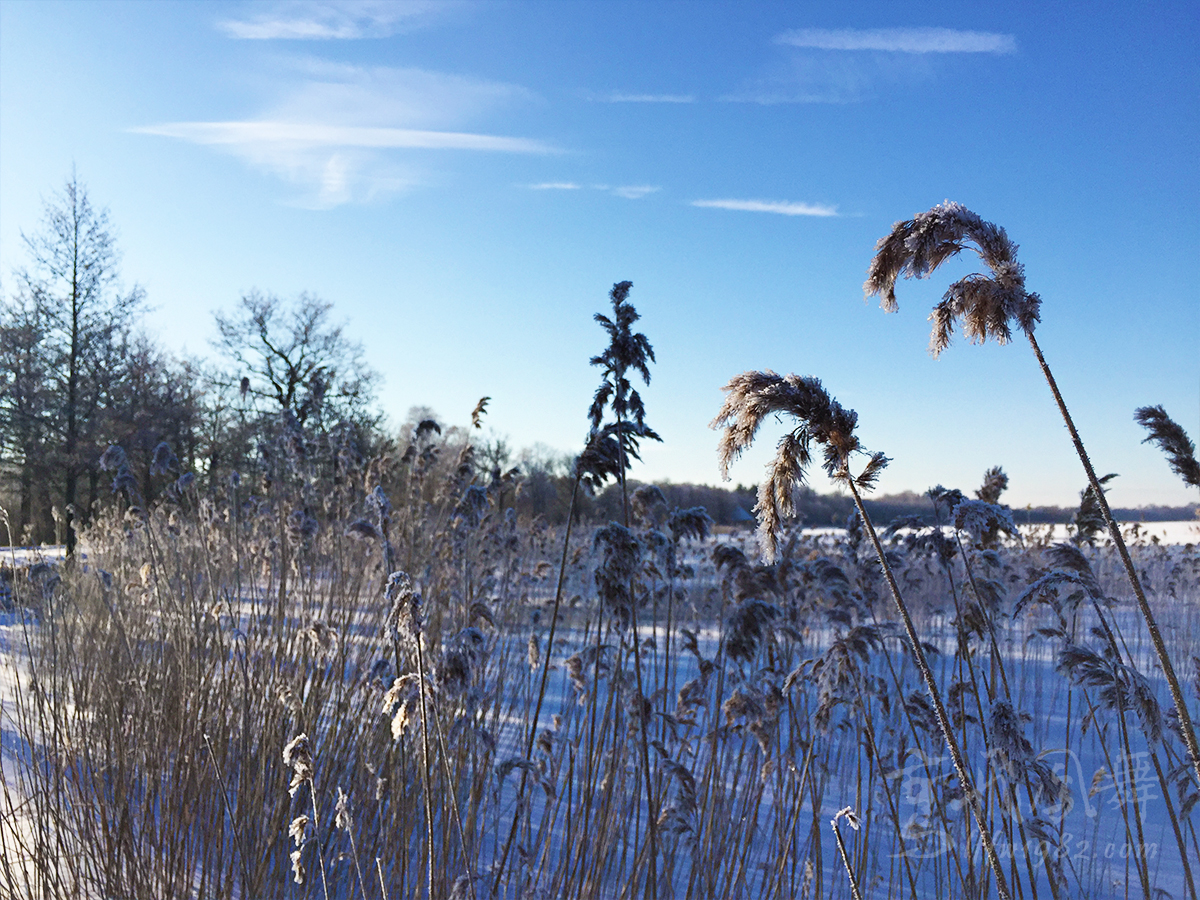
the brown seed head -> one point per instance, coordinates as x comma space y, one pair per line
986, 305
753, 396
297, 754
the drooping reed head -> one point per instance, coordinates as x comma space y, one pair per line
478, 412
987, 305
649, 505
297, 755
1172, 440
750, 398
614, 576
163, 461
406, 619
694, 522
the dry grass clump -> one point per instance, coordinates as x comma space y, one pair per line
753, 395
166, 756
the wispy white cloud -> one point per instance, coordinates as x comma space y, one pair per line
807, 77
302, 134
813, 68
900, 40
333, 19
780, 207
635, 191
774, 95
628, 191
647, 98
345, 94
346, 133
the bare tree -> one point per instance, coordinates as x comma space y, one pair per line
73, 287
290, 358
158, 400
25, 409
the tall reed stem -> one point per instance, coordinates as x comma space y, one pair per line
956, 756
1186, 728
542, 683
651, 812
426, 773
841, 845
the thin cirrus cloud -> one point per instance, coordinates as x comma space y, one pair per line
635, 191
900, 40
333, 19
850, 65
648, 98
349, 133
779, 207
627, 191
406, 97
302, 134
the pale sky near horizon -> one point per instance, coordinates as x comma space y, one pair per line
465, 181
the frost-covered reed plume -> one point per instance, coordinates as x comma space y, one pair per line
750, 398
628, 350
990, 306
1171, 440
609, 451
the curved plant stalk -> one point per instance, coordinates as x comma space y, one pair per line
751, 397
607, 453
956, 757
989, 306
651, 810
852, 819
233, 822
382, 884
1186, 728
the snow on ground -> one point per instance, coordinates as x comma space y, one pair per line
1094, 842
16, 819
1184, 532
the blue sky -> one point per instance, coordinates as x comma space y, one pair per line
465, 182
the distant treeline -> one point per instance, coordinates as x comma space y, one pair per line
93, 412
732, 506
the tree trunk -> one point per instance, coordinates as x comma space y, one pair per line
25, 514
73, 395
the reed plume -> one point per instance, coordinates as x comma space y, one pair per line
607, 453
297, 755
995, 483
628, 350
750, 398
1171, 440
986, 306
989, 306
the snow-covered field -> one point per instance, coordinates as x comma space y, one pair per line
1182, 532
748, 776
